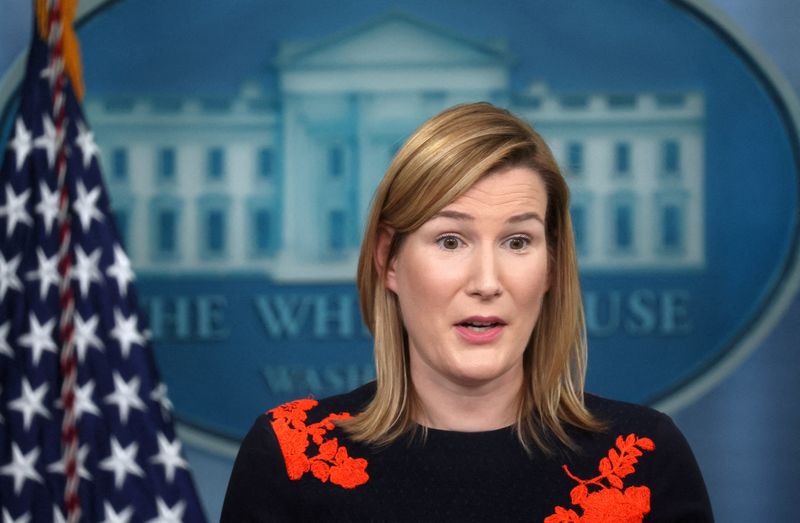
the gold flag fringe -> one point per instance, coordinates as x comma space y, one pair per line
69, 40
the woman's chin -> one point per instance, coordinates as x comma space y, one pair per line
482, 373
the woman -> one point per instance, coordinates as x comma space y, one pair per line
468, 282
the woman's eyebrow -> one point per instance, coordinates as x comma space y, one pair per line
525, 217
462, 216
454, 215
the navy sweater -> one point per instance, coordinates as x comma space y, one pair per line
295, 465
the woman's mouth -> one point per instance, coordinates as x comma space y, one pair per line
480, 329
478, 326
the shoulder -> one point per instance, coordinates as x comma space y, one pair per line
351, 402
622, 421
286, 443
621, 413
255, 479
663, 439
308, 437
623, 418
642, 449
312, 410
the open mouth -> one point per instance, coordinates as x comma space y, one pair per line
480, 326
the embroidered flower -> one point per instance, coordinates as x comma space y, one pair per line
348, 472
610, 503
331, 463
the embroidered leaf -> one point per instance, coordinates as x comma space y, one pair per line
605, 467
614, 457
578, 494
296, 465
630, 459
341, 455
630, 440
562, 515
615, 481
625, 470
646, 443
328, 449
321, 470
554, 518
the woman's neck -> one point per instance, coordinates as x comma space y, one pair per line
467, 407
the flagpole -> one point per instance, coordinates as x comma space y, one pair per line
68, 364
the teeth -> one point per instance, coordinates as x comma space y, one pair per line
479, 326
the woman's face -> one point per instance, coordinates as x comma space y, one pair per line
470, 281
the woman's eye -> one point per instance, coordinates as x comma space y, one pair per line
449, 243
517, 243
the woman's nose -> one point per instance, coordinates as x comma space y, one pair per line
484, 279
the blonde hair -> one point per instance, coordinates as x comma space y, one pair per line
436, 165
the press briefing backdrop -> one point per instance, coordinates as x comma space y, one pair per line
241, 144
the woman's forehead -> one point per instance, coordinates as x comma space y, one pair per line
512, 191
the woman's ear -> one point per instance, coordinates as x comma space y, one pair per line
383, 264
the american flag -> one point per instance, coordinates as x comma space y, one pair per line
129, 464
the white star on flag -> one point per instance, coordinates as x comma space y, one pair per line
85, 335
85, 270
58, 515
125, 396
167, 514
47, 273
21, 143
120, 270
24, 518
14, 209
80, 458
47, 206
83, 400
47, 141
169, 455
8, 274
125, 332
39, 339
30, 402
5, 348
85, 141
22, 467
122, 462
113, 516
86, 206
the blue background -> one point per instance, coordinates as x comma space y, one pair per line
617, 46
744, 431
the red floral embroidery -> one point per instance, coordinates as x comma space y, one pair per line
331, 463
609, 504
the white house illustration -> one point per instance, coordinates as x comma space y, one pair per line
279, 183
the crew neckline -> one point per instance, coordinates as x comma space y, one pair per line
467, 433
